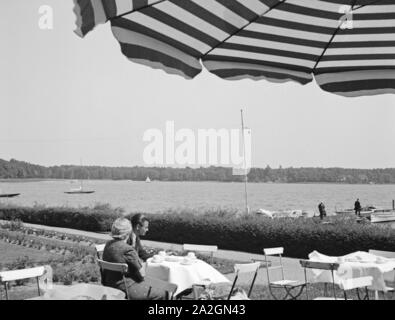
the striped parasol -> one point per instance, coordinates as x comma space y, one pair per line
348, 46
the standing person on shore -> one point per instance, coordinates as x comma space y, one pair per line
357, 208
321, 208
118, 251
140, 226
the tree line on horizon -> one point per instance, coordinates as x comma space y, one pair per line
15, 169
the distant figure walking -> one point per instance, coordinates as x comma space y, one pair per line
321, 208
357, 208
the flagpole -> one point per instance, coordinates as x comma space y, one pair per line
245, 163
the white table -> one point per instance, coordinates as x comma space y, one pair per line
184, 276
354, 265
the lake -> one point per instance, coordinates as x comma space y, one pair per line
158, 196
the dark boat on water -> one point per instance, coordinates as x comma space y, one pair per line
9, 195
79, 192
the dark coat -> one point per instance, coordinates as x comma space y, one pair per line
357, 205
143, 254
321, 208
118, 251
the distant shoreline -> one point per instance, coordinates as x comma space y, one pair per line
22, 180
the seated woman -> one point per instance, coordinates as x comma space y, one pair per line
118, 251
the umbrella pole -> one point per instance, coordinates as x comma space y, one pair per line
245, 164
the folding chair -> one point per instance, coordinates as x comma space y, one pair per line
7, 276
332, 267
288, 285
245, 268
99, 250
356, 283
169, 288
116, 267
201, 248
389, 276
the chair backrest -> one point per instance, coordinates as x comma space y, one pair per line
99, 250
245, 268
116, 267
356, 283
111, 266
278, 251
319, 265
200, 248
169, 288
13, 275
273, 251
329, 266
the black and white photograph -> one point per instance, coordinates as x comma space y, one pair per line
197, 150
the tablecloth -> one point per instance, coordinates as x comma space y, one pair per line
184, 276
354, 265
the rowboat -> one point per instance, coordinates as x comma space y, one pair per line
364, 211
9, 195
382, 216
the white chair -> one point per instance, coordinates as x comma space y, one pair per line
245, 268
13, 275
116, 267
288, 285
388, 276
122, 268
356, 283
99, 250
201, 248
332, 267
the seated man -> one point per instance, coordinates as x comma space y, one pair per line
140, 228
118, 251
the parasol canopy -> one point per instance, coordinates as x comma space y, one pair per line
347, 46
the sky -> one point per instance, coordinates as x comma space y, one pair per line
64, 100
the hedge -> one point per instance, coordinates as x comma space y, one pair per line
228, 231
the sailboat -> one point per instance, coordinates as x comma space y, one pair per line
79, 190
148, 180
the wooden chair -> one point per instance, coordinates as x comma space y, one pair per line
7, 276
389, 276
288, 285
169, 288
332, 267
201, 248
116, 267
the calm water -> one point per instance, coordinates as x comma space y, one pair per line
159, 196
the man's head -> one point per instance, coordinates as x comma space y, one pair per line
140, 224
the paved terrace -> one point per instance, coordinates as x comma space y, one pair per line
292, 268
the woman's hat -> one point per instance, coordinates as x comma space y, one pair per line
120, 228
